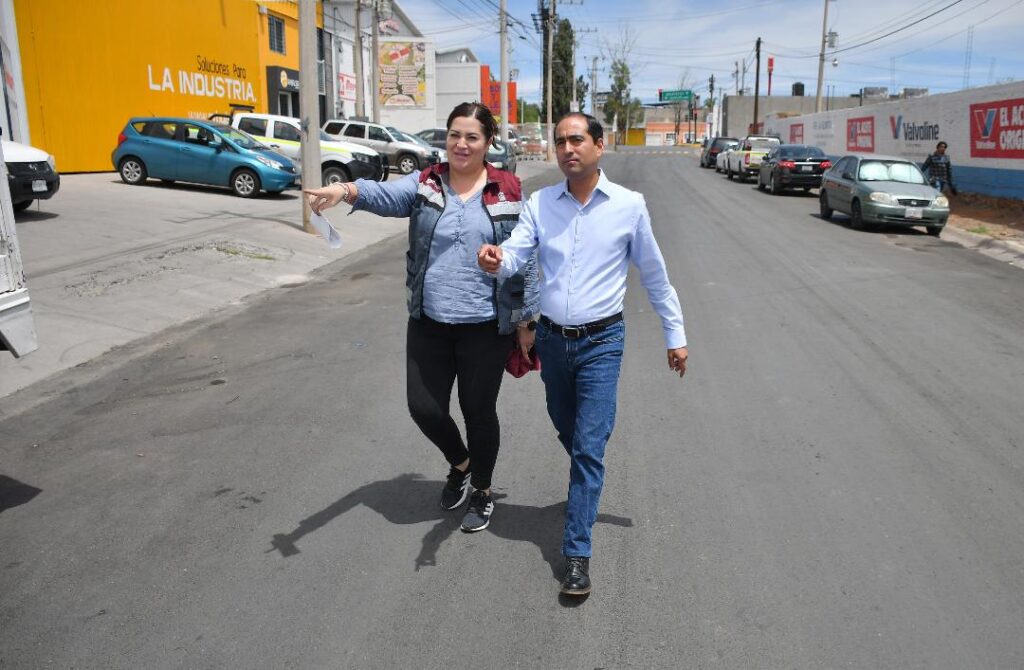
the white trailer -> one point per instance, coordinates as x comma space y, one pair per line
17, 329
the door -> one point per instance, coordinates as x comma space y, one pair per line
841, 188
284, 104
379, 140
285, 138
199, 159
161, 149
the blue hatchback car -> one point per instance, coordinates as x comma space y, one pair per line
201, 152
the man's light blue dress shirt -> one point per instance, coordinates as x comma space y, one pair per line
584, 251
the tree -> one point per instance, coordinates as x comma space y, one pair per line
621, 104
582, 90
531, 113
561, 70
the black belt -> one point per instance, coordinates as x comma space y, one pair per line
575, 332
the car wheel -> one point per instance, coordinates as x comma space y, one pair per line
21, 206
856, 216
245, 183
407, 164
760, 184
807, 189
132, 170
728, 172
775, 187
934, 231
825, 210
334, 175
741, 176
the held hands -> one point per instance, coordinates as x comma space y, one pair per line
525, 339
489, 258
677, 360
324, 198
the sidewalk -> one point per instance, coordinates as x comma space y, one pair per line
111, 265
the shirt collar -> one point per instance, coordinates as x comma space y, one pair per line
602, 186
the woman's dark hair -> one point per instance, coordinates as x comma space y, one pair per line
478, 111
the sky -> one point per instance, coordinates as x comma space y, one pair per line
689, 40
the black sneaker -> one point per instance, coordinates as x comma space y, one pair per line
479, 513
576, 581
455, 489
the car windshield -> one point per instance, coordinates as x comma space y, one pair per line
903, 172
325, 137
398, 135
416, 139
763, 144
240, 137
801, 152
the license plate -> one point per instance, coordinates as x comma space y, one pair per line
806, 168
914, 213
38, 185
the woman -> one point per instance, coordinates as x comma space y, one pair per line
461, 320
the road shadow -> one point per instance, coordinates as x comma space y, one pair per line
843, 221
14, 493
410, 499
33, 214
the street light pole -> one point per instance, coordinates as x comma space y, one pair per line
375, 59
309, 92
821, 58
503, 23
551, 55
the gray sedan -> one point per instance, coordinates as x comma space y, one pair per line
882, 190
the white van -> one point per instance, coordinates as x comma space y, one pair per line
339, 161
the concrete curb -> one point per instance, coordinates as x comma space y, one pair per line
1004, 250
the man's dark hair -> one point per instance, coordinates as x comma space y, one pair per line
942, 144
478, 111
594, 127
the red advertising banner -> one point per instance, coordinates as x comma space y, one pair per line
860, 134
796, 133
997, 129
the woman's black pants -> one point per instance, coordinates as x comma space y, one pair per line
473, 353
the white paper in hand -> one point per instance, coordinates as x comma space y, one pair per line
326, 230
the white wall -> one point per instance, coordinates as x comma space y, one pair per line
984, 128
9, 37
456, 83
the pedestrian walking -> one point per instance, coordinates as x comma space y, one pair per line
462, 322
585, 232
939, 169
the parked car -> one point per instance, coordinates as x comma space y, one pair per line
882, 190
339, 161
201, 152
502, 155
435, 137
709, 155
745, 160
722, 159
403, 154
792, 165
31, 174
436, 155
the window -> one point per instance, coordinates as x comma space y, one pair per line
253, 126
163, 130
275, 28
285, 131
196, 135
355, 130
379, 134
333, 128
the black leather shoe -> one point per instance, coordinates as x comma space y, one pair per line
576, 581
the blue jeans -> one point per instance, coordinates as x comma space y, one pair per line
581, 378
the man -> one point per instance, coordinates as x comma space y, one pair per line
586, 230
939, 169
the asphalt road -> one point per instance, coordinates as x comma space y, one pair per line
837, 483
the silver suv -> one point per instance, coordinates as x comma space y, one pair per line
402, 153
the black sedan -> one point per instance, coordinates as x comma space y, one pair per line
792, 166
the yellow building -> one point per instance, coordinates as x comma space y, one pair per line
87, 67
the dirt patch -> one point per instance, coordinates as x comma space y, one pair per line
1001, 218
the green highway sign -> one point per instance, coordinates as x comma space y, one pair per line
685, 95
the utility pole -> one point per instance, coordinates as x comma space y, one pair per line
358, 66
711, 97
593, 85
375, 59
309, 108
821, 59
757, 82
736, 77
503, 26
551, 56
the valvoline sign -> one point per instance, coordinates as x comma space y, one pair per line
997, 129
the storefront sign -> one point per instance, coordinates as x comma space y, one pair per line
403, 76
997, 129
796, 133
346, 86
860, 134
